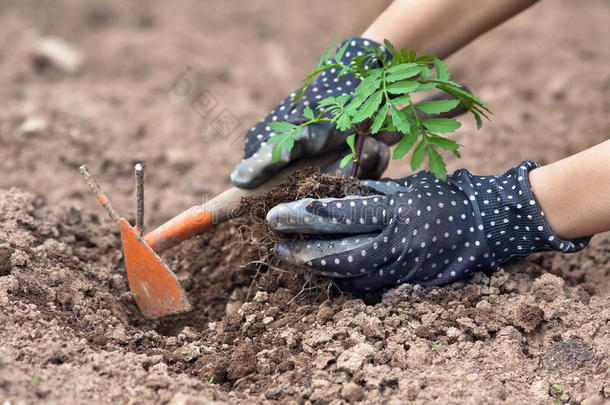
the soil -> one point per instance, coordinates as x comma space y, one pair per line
305, 183
536, 332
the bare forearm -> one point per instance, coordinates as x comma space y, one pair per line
440, 27
574, 193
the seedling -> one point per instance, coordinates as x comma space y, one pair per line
385, 85
558, 387
35, 379
210, 380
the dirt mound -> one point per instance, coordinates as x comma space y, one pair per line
273, 339
152, 90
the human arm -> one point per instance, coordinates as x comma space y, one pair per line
440, 27
574, 192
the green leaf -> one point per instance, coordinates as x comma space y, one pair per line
343, 122
275, 138
345, 70
308, 113
346, 160
426, 86
289, 144
403, 71
380, 118
284, 141
448, 83
558, 387
444, 143
351, 141
389, 126
437, 107
276, 153
400, 100
425, 73
418, 155
425, 58
341, 100
353, 106
326, 55
437, 165
341, 51
404, 56
477, 118
367, 86
404, 146
459, 93
369, 107
389, 46
400, 120
473, 105
333, 111
402, 87
327, 101
442, 125
441, 70
280, 126
296, 134
357, 60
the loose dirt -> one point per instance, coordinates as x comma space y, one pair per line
536, 332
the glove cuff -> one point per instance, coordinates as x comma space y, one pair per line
513, 221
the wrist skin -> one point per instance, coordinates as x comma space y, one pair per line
574, 193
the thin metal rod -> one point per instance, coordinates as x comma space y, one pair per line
97, 190
139, 171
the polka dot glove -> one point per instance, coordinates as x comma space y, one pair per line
257, 165
420, 230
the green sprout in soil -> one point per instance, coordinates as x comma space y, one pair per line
134, 294
35, 380
558, 387
385, 86
403, 318
210, 380
438, 346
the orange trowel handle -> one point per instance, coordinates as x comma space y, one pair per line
199, 218
194, 220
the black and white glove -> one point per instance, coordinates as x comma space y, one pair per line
257, 165
420, 231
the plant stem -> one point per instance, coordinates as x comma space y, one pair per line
422, 130
362, 132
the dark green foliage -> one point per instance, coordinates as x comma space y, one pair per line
385, 85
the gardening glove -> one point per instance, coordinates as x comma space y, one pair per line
420, 230
257, 165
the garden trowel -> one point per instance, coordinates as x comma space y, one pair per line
153, 285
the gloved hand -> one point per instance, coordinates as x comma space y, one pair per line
421, 231
257, 165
